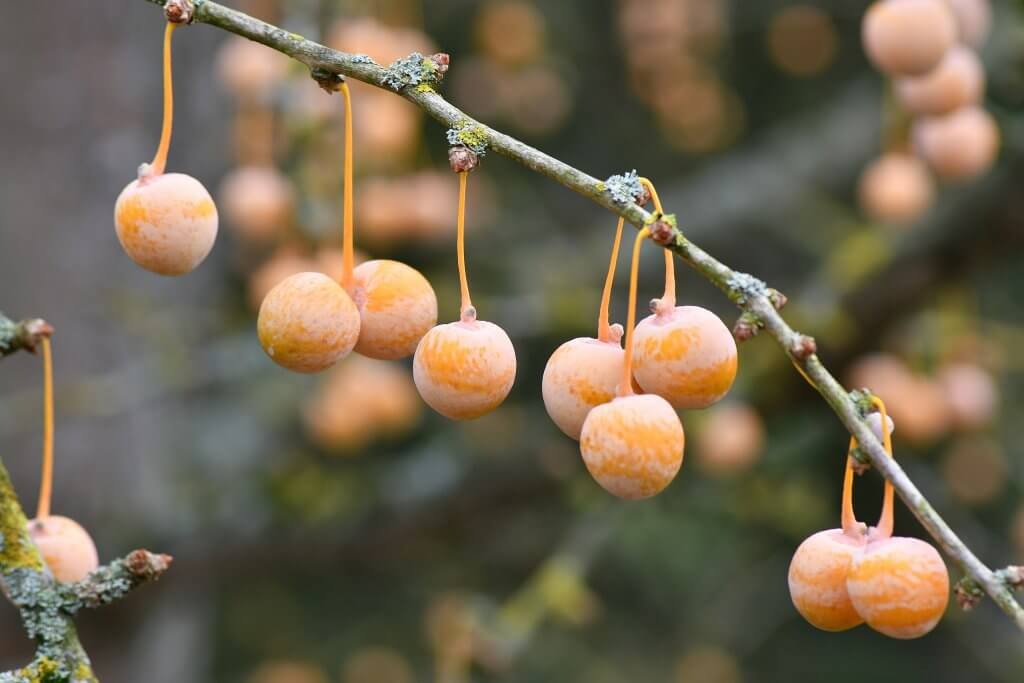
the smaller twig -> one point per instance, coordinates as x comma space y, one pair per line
969, 594
113, 581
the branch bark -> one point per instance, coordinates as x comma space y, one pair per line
414, 79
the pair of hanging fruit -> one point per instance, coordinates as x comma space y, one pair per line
381, 309
841, 578
683, 357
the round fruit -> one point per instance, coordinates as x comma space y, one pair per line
874, 421
972, 394
959, 146
973, 18
66, 547
397, 306
896, 189
633, 445
167, 223
258, 202
581, 374
958, 81
464, 369
908, 37
731, 439
686, 355
307, 323
900, 586
818, 578
250, 70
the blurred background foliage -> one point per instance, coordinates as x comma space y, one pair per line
329, 528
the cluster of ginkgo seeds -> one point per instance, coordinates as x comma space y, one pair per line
841, 578
927, 48
682, 357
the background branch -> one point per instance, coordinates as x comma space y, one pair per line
750, 294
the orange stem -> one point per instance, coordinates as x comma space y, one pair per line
467, 303
848, 517
626, 386
885, 521
347, 235
160, 160
46, 485
603, 328
668, 301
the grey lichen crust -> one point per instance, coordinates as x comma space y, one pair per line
411, 71
362, 59
745, 287
625, 188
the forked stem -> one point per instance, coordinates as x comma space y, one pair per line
160, 159
347, 248
848, 517
604, 330
885, 521
850, 524
668, 301
467, 313
46, 484
626, 386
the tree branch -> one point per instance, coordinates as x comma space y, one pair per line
46, 606
25, 335
414, 79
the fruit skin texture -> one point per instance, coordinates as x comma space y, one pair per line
959, 146
900, 586
686, 355
66, 547
818, 577
581, 374
958, 80
633, 446
397, 306
308, 323
464, 369
908, 37
896, 188
166, 223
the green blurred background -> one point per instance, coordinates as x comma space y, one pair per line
331, 528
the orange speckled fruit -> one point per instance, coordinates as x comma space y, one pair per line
166, 223
686, 355
581, 374
633, 446
397, 307
308, 323
900, 586
817, 579
464, 369
66, 547
908, 37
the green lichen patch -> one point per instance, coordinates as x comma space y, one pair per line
424, 87
472, 135
16, 549
410, 71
